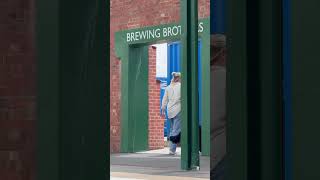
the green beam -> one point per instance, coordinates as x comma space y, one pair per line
73, 90
206, 93
254, 90
236, 82
47, 122
83, 93
304, 57
189, 85
270, 60
121, 37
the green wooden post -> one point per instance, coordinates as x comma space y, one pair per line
47, 122
270, 64
254, 90
73, 90
189, 86
236, 99
83, 76
206, 93
304, 57
125, 129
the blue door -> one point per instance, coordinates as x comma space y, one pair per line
163, 85
217, 17
174, 65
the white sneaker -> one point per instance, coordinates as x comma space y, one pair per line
172, 153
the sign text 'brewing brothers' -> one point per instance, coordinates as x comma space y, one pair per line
157, 33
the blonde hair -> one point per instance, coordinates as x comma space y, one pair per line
173, 79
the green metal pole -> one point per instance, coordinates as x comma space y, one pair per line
189, 90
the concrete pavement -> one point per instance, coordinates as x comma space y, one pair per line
155, 165
136, 176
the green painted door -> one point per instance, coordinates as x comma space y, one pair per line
138, 96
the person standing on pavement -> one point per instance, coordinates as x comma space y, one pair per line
172, 101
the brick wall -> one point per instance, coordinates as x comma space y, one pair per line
129, 14
17, 90
156, 122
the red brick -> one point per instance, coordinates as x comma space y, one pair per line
17, 90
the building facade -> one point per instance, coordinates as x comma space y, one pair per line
133, 14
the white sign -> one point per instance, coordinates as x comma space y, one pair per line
157, 33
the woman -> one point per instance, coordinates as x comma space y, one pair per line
172, 100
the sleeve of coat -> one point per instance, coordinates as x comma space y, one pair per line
165, 99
